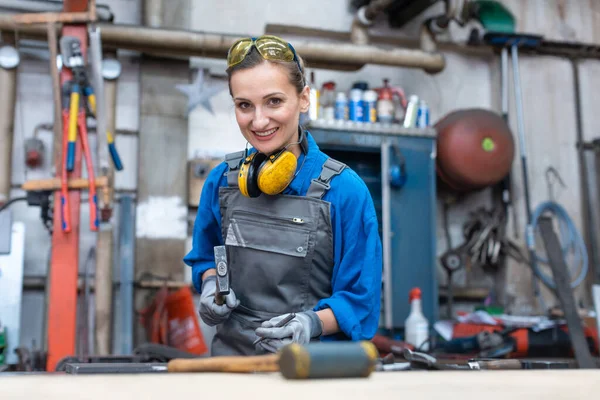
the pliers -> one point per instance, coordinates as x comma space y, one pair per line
80, 86
74, 120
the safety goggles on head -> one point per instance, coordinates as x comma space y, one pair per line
270, 48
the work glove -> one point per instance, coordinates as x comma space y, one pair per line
211, 313
301, 329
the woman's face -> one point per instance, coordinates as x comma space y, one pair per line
267, 107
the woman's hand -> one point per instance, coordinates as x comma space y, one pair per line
301, 329
211, 313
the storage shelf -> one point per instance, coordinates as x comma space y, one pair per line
376, 128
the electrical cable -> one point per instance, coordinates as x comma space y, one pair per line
11, 201
571, 240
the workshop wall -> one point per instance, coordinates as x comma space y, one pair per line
467, 81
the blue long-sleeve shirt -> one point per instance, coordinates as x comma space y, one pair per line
356, 278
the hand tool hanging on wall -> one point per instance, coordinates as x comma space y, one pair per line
74, 121
73, 59
98, 108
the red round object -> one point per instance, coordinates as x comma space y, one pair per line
33, 159
415, 293
475, 149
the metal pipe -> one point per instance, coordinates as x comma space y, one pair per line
363, 19
386, 219
9, 61
126, 264
104, 240
588, 214
375, 7
56, 94
153, 12
170, 42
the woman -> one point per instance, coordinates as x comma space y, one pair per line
300, 228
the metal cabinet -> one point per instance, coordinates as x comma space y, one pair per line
407, 214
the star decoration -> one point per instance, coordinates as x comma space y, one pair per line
200, 91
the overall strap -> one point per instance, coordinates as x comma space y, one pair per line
319, 186
233, 161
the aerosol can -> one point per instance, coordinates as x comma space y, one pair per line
416, 325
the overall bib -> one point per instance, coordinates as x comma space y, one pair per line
280, 254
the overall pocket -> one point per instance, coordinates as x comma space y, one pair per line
270, 261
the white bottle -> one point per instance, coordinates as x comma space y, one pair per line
416, 325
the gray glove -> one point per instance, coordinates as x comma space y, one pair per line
211, 313
301, 329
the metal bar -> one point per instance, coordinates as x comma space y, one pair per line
386, 218
504, 81
565, 293
56, 92
584, 174
9, 61
126, 263
97, 81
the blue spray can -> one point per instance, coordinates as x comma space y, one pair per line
423, 115
355, 107
369, 106
341, 107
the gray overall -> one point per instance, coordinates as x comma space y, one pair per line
280, 253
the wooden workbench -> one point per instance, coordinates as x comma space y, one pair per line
413, 385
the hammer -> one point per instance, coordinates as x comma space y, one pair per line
311, 361
222, 274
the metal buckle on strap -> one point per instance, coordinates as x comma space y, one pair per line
233, 160
324, 183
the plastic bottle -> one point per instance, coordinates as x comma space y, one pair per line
355, 107
416, 325
385, 104
341, 107
410, 119
423, 115
369, 106
328, 101
313, 110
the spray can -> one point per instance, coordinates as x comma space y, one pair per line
341, 107
369, 104
416, 325
410, 118
355, 107
423, 115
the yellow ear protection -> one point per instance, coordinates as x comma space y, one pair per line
270, 175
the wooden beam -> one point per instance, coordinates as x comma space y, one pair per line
49, 17
64, 265
54, 183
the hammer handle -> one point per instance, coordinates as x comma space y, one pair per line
500, 364
266, 363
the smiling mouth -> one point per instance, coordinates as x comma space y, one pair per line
265, 133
